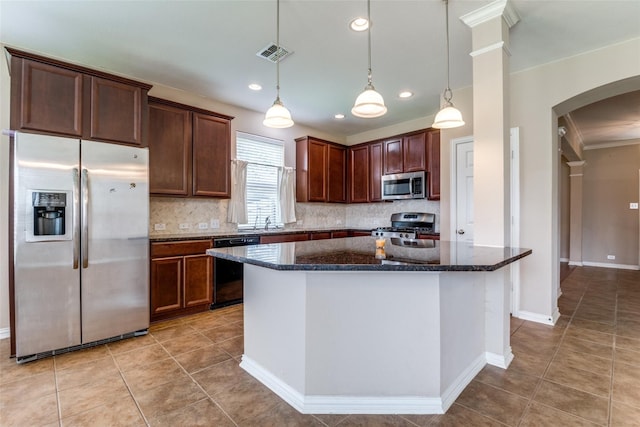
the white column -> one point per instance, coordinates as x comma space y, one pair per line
490, 42
491, 174
575, 212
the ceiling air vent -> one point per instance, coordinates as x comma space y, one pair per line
272, 53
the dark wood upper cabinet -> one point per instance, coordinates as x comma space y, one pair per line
433, 164
189, 151
337, 174
376, 166
393, 156
211, 156
169, 150
405, 153
45, 98
115, 111
359, 174
413, 152
55, 97
320, 171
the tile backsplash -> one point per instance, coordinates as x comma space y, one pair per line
191, 212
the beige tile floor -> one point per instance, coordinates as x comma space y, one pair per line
585, 371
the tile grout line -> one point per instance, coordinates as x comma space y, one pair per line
126, 384
197, 383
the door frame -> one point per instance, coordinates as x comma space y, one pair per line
453, 169
514, 186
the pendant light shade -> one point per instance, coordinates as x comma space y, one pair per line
449, 116
369, 104
277, 116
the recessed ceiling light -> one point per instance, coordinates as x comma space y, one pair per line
339, 116
359, 24
255, 86
405, 94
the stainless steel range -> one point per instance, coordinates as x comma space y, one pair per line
407, 225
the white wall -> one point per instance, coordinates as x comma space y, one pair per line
534, 94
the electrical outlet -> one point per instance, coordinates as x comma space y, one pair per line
633, 206
184, 226
215, 223
611, 257
159, 227
203, 226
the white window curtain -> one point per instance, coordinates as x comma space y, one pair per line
287, 194
237, 212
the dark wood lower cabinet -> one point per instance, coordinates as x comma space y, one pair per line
181, 278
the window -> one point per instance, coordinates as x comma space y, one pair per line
264, 155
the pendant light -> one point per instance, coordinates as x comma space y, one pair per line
369, 104
449, 116
278, 116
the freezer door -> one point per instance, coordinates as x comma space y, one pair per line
47, 287
115, 243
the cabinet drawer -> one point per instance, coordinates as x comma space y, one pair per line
189, 247
339, 234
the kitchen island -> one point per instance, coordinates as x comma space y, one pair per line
338, 326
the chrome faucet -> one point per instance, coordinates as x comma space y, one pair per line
267, 221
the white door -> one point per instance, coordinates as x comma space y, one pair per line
464, 191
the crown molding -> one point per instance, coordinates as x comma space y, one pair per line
493, 10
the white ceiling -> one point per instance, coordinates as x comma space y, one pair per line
209, 47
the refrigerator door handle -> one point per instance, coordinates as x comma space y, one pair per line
75, 218
85, 219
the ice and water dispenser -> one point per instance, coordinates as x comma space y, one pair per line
49, 213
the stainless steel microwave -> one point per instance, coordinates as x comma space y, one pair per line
410, 185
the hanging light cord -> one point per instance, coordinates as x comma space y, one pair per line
447, 95
278, 50
369, 41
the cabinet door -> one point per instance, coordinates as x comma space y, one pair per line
337, 174
116, 111
375, 171
433, 165
393, 156
198, 280
166, 284
413, 152
211, 156
46, 98
359, 174
318, 167
169, 150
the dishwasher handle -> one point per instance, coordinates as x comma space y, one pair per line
236, 241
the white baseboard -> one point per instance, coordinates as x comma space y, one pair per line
564, 259
459, 384
576, 263
538, 318
607, 265
363, 404
5, 333
499, 360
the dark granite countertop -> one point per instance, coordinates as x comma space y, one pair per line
359, 254
243, 233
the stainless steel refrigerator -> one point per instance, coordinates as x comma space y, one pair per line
80, 243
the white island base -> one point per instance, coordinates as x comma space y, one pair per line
382, 342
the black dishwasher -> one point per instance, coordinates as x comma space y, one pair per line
227, 275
